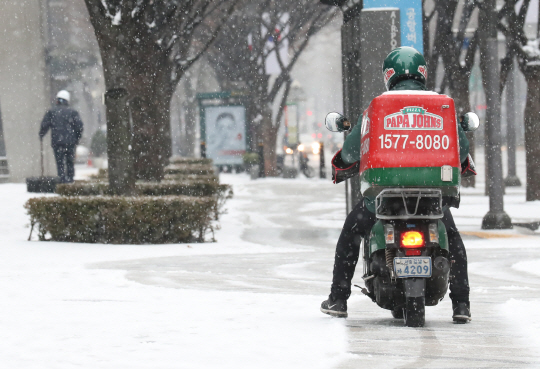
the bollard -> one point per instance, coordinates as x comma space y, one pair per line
322, 168
203, 149
261, 160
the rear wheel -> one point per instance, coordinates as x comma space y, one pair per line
415, 311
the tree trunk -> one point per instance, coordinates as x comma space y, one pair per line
460, 94
190, 117
150, 110
268, 134
121, 178
532, 133
119, 130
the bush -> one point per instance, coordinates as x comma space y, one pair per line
178, 209
190, 161
186, 169
82, 188
250, 158
179, 168
164, 188
98, 145
102, 175
122, 220
192, 177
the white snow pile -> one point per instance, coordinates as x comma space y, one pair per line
533, 52
523, 314
525, 320
529, 266
61, 311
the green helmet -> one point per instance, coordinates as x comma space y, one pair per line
404, 63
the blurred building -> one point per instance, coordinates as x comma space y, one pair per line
45, 46
24, 88
73, 61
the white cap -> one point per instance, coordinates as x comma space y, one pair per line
63, 95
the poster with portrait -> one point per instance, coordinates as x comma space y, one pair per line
225, 134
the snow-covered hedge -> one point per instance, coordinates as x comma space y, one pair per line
191, 177
122, 220
165, 188
181, 208
191, 161
186, 169
179, 168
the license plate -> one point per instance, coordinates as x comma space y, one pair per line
416, 266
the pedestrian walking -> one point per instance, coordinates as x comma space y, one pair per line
66, 130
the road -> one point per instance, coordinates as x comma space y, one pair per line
302, 218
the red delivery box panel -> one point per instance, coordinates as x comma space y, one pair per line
410, 139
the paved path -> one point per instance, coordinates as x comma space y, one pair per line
302, 219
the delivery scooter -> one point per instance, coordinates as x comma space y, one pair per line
410, 170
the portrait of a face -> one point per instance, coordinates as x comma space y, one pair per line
225, 132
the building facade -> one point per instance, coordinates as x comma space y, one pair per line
23, 86
45, 46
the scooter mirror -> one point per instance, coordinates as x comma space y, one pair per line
336, 122
470, 122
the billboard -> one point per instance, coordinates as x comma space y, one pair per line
225, 134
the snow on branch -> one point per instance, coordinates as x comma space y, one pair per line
116, 19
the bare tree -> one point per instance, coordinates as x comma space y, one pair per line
260, 30
448, 49
527, 53
448, 46
146, 46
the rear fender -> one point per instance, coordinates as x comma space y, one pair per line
376, 238
443, 237
414, 287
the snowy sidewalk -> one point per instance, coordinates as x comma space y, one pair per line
251, 300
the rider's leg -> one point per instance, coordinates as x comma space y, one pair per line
459, 279
357, 225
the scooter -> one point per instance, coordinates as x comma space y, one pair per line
409, 170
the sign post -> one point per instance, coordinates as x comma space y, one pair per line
4, 170
496, 218
410, 20
383, 25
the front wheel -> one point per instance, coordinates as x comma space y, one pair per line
415, 311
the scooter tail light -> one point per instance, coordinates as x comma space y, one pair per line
433, 233
412, 239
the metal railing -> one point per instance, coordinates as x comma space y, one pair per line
409, 203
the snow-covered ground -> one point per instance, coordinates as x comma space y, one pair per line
251, 300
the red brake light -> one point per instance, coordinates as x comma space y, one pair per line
412, 239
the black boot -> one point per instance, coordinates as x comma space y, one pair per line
461, 312
334, 307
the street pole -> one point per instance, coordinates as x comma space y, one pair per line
322, 168
511, 179
262, 173
496, 218
352, 84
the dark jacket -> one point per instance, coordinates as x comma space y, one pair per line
65, 124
